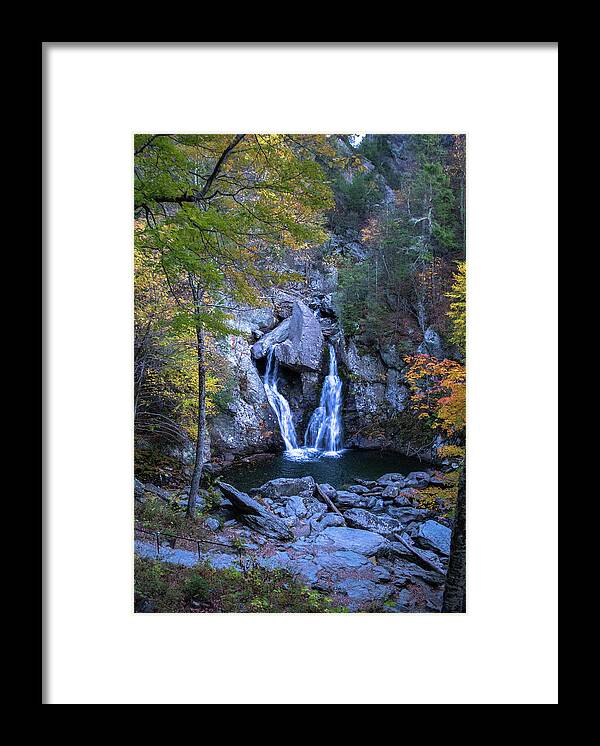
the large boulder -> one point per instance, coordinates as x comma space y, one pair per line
351, 539
284, 487
298, 340
432, 535
303, 348
255, 515
344, 499
276, 336
380, 524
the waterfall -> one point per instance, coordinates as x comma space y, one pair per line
279, 403
325, 426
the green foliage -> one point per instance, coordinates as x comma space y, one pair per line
202, 588
400, 287
213, 213
157, 515
458, 307
377, 150
355, 199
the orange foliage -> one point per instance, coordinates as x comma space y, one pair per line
438, 392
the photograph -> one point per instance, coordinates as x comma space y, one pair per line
300, 373
267, 475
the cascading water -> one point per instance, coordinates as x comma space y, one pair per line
279, 403
325, 426
323, 434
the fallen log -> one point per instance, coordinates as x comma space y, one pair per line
327, 500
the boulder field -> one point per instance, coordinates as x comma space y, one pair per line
378, 551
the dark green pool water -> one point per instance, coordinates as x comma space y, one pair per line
337, 471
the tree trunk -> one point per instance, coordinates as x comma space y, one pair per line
455, 591
200, 438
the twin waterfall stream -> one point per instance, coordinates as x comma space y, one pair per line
323, 434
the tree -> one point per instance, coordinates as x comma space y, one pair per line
216, 211
455, 590
458, 307
438, 396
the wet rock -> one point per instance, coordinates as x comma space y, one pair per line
403, 602
253, 320
297, 341
283, 303
380, 524
392, 357
295, 506
432, 535
396, 391
269, 525
352, 539
212, 524
367, 367
390, 492
407, 571
437, 481
366, 482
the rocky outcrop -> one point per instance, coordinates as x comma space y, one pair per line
297, 341
254, 515
245, 424
432, 344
